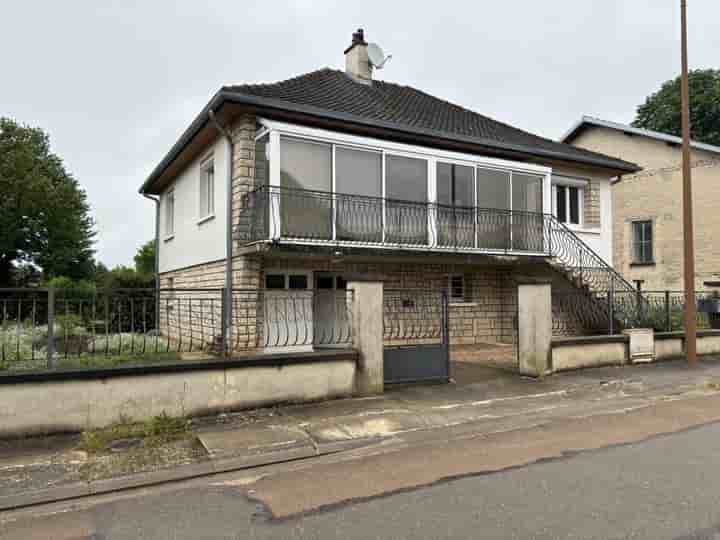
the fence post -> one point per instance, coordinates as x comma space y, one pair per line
446, 329
223, 322
51, 327
611, 310
668, 322
535, 327
367, 325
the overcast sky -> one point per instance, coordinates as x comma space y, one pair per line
115, 82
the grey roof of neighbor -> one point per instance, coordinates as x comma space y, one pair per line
332, 95
589, 121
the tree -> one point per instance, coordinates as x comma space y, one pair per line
44, 214
661, 110
145, 258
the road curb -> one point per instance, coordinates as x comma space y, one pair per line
79, 490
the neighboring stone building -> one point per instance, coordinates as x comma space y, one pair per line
335, 176
647, 206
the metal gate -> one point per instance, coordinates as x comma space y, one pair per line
415, 336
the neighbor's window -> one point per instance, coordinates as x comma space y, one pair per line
170, 213
567, 203
207, 188
642, 242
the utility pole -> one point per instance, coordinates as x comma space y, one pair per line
688, 237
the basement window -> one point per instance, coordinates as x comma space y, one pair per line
456, 288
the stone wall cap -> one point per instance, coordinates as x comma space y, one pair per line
589, 340
528, 280
210, 364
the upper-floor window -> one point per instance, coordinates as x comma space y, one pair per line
642, 244
170, 213
207, 188
568, 201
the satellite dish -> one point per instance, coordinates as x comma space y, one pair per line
377, 56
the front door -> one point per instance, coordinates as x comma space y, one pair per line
288, 311
332, 320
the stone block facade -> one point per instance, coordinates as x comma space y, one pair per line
591, 205
655, 195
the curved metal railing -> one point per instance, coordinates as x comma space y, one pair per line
271, 213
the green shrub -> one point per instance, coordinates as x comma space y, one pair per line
75, 290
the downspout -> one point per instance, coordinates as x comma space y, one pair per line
230, 151
156, 200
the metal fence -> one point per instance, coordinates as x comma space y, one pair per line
49, 329
413, 317
584, 312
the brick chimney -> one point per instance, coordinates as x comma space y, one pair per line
357, 64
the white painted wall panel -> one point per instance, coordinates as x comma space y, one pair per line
195, 243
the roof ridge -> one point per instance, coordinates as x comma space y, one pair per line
274, 83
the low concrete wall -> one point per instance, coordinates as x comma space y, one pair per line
670, 345
585, 352
595, 351
55, 402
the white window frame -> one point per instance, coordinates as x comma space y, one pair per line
169, 200
568, 182
431, 155
208, 188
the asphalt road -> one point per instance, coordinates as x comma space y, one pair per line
666, 487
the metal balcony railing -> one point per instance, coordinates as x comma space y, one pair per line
315, 216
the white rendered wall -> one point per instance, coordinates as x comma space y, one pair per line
599, 239
193, 242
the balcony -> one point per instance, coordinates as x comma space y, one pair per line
313, 217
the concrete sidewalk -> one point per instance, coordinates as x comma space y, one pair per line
43, 470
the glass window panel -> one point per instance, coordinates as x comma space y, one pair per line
324, 282
493, 189
341, 283
642, 242
262, 163
444, 183
170, 212
464, 186
297, 281
305, 166
527, 192
207, 188
527, 218
406, 178
275, 281
457, 288
456, 197
574, 196
358, 176
493, 201
358, 172
561, 203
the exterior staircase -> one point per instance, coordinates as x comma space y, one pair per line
602, 299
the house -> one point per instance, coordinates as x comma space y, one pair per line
335, 175
647, 205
